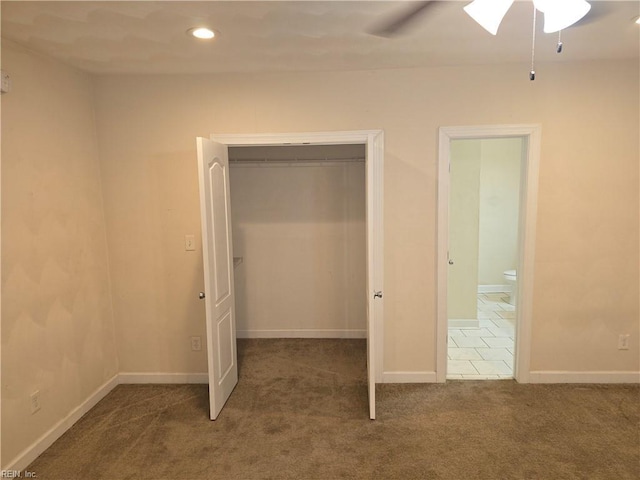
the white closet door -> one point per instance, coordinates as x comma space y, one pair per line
215, 209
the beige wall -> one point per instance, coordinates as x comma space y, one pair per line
464, 219
586, 258
300, 229
57, 321
54, 279
499, 198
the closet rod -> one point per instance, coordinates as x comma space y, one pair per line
296, 160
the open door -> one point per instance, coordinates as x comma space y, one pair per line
371, 376
215, 209
218, 256
375, 256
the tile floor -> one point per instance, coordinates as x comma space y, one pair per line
486, 352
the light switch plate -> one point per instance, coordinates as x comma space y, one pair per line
189, 242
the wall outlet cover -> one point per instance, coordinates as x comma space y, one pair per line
5, 82
623, 341
35, 401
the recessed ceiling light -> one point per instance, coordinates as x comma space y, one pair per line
638, 20
202, 33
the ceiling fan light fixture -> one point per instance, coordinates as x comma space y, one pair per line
488, 13
560, 14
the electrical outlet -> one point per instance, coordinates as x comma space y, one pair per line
35, 401
196, 344
623, 341
5, 82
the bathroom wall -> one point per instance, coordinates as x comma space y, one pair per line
57, 321
483, 223
300, 230
464, 217
499, 199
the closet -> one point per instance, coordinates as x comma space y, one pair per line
299, 240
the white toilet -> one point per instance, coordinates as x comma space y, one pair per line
510, 277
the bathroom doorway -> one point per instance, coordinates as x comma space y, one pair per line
486, 212
483, 253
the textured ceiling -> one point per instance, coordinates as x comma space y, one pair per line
150, 36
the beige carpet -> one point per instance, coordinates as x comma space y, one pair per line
300, 412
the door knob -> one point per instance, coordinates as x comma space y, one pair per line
201, 295
377, 294
450, 262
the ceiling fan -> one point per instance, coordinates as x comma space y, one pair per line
395, 25
558, 14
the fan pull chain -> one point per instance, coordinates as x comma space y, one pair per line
559, 47
532, 73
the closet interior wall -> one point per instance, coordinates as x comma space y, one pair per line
299, 240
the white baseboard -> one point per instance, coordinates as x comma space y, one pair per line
164, 378
494, 288
463, 323
304, 333
29, 454
583, 377
408, 377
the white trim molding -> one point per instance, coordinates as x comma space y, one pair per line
304, 333
162, 378
306, 138
464, 323
559, 376
494, 288
29, 454
409, 377
374, 142
526, 237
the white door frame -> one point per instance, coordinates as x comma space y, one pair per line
526, 237
374, 145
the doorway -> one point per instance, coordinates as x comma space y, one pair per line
483, 254
213, 162
472, 295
